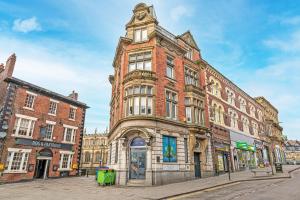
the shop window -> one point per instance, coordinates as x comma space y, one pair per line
169, 149
17, 160
66, 160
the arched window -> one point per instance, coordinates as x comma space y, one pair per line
138, 142
87, 157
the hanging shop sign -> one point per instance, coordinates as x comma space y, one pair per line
38, 143
245, 146
251, 148
242, 145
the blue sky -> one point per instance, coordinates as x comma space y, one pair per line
70, 44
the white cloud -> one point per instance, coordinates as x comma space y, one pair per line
294, 20
62, 67
179, 12
26, 25
288, 44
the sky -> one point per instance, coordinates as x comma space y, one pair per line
70, 45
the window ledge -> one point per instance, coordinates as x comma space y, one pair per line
171, 79
140, 42
64, 169
28, 108
14, 172
71, 119
52, 114
22, 136
66, 142
48, 140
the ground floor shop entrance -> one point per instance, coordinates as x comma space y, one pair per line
197, 164
42, 169
42, 163
137, 168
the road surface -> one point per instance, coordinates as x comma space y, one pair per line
284, 189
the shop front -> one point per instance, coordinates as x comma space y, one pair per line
222, 157
262, 154
243, 151
246, 155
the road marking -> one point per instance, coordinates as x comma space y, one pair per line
202, 191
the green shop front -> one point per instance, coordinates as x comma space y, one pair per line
243, 151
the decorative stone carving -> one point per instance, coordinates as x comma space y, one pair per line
140, 74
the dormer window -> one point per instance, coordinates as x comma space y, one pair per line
189, 54
140, 35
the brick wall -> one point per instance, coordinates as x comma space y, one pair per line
41, 108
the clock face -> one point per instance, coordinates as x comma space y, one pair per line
141, 15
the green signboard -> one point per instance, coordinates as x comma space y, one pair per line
242, 145
251, 148
245, 146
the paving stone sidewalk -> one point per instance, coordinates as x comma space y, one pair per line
87, 189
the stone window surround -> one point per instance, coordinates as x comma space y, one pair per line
140, 95
171, 102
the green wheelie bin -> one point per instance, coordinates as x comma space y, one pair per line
106, 177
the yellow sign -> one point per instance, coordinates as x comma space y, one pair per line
220, 162
1, 166
75, 166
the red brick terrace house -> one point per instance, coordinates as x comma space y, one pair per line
40, 130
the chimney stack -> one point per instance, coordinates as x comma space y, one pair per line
74, 95
1, 67
10, 65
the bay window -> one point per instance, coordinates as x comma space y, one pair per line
140, 61
191, 77
194, 110
138, 100
188, 112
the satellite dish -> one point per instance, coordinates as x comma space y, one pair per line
2, 134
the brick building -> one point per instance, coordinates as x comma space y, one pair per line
237, 124
41, 130
158, 125
273, 129
292, 152
94, 151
